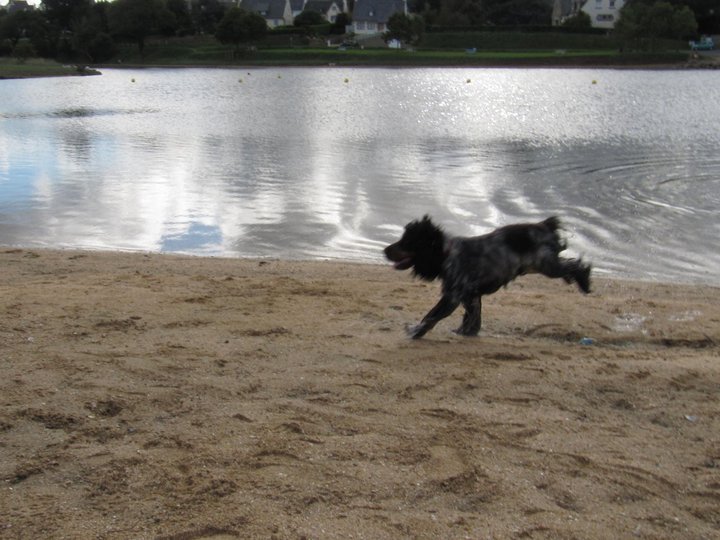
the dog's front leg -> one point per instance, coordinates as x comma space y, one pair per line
442, 309
472, 318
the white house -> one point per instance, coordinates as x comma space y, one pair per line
275, 12
603, 13
371, 16
329, 9
283, 12
18, 5
297, 7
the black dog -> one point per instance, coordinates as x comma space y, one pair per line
470, 267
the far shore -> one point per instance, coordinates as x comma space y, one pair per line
36, 68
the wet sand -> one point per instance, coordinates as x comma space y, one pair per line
153, 396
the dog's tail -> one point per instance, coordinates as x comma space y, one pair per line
553, 223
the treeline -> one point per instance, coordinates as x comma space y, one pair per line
480, 13
643, 24
516, 13
90, 31
85, 30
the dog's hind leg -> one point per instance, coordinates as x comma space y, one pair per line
472, 318
442, 309
581, 276
571, 270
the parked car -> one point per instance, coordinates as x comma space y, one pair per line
705, 43
349, 44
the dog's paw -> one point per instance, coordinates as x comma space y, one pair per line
583, 279
465, 333
415, 331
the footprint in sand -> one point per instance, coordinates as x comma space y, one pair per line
445, 462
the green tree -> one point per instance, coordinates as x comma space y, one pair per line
5, 45
342, 21
101, 47
707, 13
579, 21
658, 20
65, 13
404, 28
181, 11
641, 23
23, 50
29, 25
206, 14
137, 19
684, 23
91, 40
457, 13
308, 18
518, 12
483, 12
239, 26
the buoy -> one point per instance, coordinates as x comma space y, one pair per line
132, 80
594, 81
468, 81
347, 80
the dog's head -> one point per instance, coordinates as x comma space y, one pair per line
421, 247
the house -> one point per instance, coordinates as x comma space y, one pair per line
329, 9
283, 12
603, 13
297, 7
18, 5
275, 12
371, 16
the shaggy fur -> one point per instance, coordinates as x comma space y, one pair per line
471, 267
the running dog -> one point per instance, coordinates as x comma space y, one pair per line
470, 267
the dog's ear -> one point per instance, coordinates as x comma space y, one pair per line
412, 223
428, 223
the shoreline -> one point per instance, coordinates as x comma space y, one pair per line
170, 396
380, 262
36, 69
40, 68
528, 63
411, 66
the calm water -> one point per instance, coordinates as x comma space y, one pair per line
331, 162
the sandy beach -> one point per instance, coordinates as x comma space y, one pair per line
170, 397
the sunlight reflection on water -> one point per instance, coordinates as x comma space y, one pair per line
299, 163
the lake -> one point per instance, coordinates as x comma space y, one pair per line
330, 163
